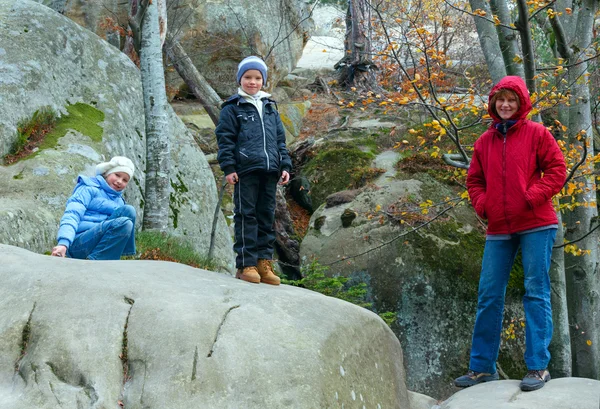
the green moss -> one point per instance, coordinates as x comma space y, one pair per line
461, 256
330, 171
176, 198
82, 118
179, 187
18, 175
315, 278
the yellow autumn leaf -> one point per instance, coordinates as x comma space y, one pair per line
589, 342
377, 208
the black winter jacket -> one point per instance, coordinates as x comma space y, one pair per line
246, 143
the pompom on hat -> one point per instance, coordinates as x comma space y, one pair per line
116, 164
252, 63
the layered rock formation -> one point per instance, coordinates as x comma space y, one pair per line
46, 60
428, 277
216, 34
149, 334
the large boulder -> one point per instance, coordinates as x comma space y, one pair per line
48, 60
428, 276
216, 34
149, 334
564, 393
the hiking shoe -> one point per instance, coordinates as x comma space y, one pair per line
249, 274
535, 380
473, 378
265, 270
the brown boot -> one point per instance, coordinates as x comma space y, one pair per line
249, 274
265, 269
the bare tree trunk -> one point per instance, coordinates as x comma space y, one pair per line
526, 45
488, 39
583, 286
148, 31
195, 81
357, 66
507, 38
560, 347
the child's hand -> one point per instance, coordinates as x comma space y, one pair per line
59, 251
285, 177
232, 178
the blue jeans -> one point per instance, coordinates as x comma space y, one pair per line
108, 240
498, 258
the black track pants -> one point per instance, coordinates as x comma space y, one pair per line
254, 198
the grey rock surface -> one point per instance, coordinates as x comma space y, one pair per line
48, 60
153, 334
386, 160
428, 277
420, 401
563, 393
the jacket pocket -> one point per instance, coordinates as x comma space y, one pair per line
243, 157
480, 208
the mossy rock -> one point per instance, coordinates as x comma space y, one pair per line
81, 117
331, 171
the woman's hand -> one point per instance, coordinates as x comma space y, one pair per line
232, 178
285, 177
59, 251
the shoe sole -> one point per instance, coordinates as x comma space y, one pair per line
466, 384
529, 388
262, 280
247, 279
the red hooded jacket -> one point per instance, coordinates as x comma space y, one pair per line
505, 179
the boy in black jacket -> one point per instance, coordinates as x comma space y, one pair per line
253, 156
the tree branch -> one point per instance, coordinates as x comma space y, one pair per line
479, 16
578, 164
414, 229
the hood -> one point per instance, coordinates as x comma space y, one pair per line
517, 85
98, 182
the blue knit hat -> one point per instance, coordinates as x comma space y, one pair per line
252, 63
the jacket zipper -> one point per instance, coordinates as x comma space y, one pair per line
504, 180
262, 124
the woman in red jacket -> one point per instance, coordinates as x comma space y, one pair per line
516, 168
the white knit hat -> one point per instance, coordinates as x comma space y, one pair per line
116, 164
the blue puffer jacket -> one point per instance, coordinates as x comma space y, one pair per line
91, 202
247, 143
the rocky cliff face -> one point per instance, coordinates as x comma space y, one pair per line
149, 334
216, 34
428, 277
46, 60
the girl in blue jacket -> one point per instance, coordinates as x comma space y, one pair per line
97, 224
